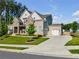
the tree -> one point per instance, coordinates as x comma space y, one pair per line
67, 27
31, 29
63, 26
3, 27
0, 27
2, 5
8, 9
74, 26
11, 9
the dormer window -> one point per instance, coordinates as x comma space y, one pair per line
34, 18
45, 19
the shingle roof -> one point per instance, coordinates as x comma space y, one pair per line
43, 16
56, 25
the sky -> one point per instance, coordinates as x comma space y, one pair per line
63, 11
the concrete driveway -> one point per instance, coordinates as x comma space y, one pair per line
53, 46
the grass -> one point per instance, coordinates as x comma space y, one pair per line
74, 51
17, 48
21, 40
37, 41
14, 40
73, 42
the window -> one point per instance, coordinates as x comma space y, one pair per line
24, 18
34, 18
21, 23
45, 19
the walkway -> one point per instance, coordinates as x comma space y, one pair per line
72, 47
14, 45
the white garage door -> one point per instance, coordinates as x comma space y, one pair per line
55, 32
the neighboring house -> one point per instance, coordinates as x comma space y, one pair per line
41, 23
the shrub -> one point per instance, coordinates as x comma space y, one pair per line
3, 27
75, 34
5, 36
1, 38
31, 38
39, 36
31, 30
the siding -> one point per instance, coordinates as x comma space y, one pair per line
39, 27
35, 16
15, 22
24, 15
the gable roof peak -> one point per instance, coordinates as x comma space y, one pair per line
43, 15
27, 10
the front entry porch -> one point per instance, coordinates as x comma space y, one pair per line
19, 30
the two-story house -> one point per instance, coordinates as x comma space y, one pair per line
41, 23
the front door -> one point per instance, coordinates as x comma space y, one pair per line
15, 29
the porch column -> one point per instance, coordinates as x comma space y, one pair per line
13, 29
18, 30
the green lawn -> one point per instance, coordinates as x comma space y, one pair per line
38, 41
17, 48
74, 51
73, 42
21, 40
